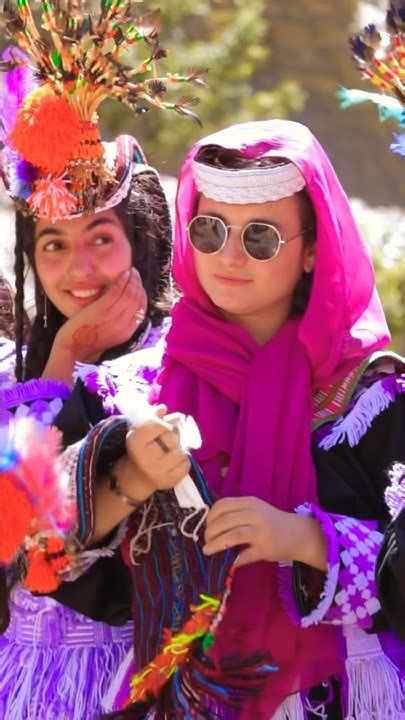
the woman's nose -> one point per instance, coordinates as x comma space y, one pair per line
81, 262
233, 252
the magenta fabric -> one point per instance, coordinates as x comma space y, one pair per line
254, 404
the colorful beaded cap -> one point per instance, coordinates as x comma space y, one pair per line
380, 56
58, 72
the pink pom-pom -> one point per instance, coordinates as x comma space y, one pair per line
51, 199
40, 475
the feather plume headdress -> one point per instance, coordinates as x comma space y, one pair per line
57, 74
380, 56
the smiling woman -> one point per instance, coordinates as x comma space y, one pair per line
92, 222
101, 288
79, 259
96, 279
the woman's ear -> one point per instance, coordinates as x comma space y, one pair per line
309, 257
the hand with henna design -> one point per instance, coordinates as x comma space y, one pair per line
108, 321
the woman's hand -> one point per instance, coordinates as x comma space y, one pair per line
159, 461
266, 532
154, 461
108, 321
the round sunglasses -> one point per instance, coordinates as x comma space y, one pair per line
261, 241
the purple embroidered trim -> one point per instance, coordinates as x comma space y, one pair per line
395, 493
33, 390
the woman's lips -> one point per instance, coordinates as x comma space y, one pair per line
229, 280
83, 296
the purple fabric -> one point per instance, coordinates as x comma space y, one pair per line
17, 84
394, 649
226, 382
100, 383
142, 366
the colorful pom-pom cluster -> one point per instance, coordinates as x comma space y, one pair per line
54, 88
36, 509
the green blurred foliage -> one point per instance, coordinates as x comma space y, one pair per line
309, 43
391, 286
229, 38
384, 232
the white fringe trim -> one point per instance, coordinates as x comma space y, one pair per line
375, 690
56, 683
355, 424
291, 709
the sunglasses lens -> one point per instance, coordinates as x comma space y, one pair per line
261, 241
207, 234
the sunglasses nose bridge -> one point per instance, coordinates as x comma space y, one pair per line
233, 250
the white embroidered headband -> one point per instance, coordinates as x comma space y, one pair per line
242, 186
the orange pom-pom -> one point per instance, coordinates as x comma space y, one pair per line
47, 131
16, 517
52, 199
40, 576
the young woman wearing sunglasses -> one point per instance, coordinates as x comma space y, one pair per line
276, 351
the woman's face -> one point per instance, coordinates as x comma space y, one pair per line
247, 291
76, 260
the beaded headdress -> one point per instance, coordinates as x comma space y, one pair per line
58, 72
380, 56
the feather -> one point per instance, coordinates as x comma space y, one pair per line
398, 146
395, 18
388, 106
19, 81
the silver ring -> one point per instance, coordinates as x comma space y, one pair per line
162, 444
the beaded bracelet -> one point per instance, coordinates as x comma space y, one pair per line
115, 487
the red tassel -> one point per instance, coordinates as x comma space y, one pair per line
40, 576
45, 563
57, 556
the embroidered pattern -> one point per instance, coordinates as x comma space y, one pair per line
332, 401
356, 598
370, 403
350, 594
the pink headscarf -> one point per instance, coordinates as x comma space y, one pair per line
254, 404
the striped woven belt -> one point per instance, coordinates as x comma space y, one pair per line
60, 626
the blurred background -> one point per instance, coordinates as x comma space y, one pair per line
278, 58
